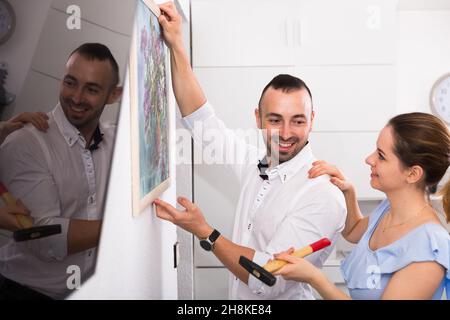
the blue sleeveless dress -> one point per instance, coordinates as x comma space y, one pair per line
367, 272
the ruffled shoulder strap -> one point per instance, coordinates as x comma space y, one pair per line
428, 242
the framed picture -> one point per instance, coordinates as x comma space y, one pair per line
149, 98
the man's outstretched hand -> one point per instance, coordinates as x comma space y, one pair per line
191, 219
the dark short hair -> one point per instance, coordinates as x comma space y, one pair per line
286, 83
98, 51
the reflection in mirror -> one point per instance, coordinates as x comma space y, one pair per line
58, 142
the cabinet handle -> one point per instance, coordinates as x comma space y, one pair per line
299, 32
176, 254
288, 31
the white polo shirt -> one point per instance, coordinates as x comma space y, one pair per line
287, 210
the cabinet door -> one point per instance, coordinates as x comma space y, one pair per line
242, 33
235, 92
345, 32
351, 98
348, 151
211, 284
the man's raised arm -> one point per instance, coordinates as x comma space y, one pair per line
187, 90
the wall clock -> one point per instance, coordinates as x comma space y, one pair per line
7, 21
440, 98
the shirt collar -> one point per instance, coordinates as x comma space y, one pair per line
71, 134
288, 169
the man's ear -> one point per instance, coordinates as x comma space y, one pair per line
258, 118
312, 120
115, 95
415, 174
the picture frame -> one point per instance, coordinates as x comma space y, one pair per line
150, 116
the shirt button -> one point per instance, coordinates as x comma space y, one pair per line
249, 226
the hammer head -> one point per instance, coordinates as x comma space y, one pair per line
36, 232
257, 271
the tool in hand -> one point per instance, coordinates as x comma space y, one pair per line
28, 232
264, 273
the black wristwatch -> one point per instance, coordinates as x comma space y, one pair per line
208, 243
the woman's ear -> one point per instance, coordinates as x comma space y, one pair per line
415, 174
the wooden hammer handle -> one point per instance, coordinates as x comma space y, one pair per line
275, 265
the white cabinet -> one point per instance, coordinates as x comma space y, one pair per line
288, 32
235, 92
350, 98
351, 32
348, 152
242, 33
212, 283
216, 192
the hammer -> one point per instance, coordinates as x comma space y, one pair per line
264, 273
29, 232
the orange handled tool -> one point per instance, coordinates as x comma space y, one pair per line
265, 275
274, 265
24, 221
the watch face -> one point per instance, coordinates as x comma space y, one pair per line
7, 21
440, 98
205, 244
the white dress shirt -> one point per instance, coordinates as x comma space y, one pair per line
57, 179
287, 210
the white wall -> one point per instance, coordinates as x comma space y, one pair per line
40, 87
18, 52
423, 56
135, 259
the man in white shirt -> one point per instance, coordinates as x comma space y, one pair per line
278, 208
61, 176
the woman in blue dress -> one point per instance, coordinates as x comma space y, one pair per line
403, 250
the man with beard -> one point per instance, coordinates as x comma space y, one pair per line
279, 206
61, 177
